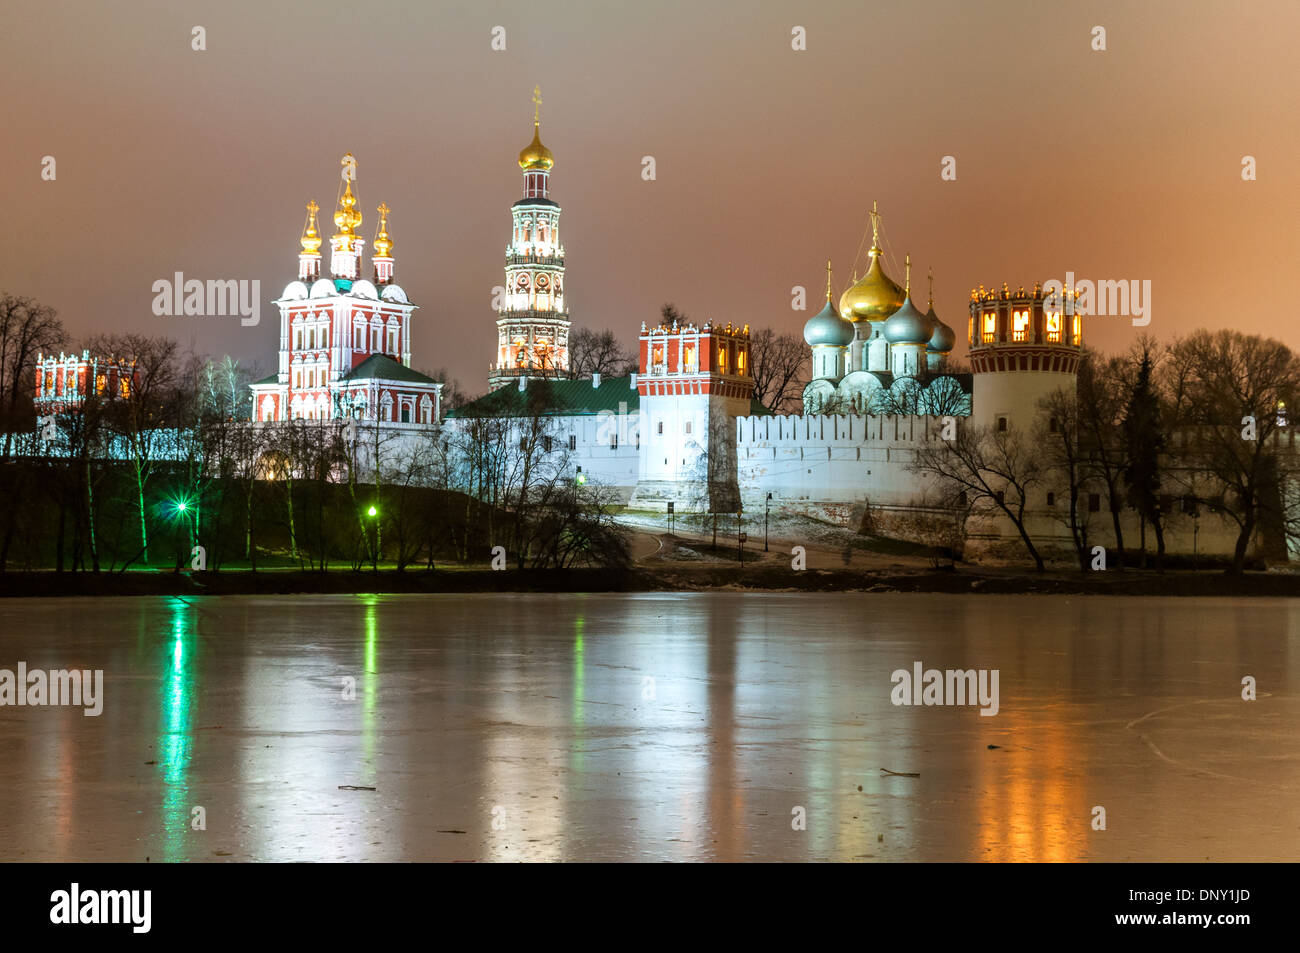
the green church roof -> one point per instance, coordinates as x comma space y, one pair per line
383, 367
548, 396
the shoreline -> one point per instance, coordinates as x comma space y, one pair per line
1131, 582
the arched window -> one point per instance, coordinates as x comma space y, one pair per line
426, 410
1020, 325
268, 407
1053, 327
386, 407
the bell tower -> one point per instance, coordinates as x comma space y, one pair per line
533, 323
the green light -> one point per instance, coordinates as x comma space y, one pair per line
372, 511
181, 505
582, 478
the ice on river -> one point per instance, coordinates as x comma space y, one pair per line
697, 726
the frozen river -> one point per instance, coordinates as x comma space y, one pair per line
652, 727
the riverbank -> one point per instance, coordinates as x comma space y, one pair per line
767, 576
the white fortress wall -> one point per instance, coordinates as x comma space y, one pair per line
833, 458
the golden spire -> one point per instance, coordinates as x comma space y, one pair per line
536, 156
310, 236
829, 293
874, 296
383, 244
907, 286
347, 217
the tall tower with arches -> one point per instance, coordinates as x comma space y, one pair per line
533, 320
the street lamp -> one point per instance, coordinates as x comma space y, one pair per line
374, 556
767, 508
740, 536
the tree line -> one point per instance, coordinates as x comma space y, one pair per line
1198, 426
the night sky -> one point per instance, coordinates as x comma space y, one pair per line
1122, 164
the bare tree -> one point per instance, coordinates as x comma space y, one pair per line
1057, 433
139, 415
598, 352
27, 329
989, 470
1227, 391
780, 365
1102, 389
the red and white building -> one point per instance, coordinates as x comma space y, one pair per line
65, 382
693, 382
345, 341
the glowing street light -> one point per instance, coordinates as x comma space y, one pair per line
372, 511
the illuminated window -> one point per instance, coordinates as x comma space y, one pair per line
124, 387
722, 360
1078, 329
101, 382
740, 361
1020, 326
1054, 327
990, 325
970, 330
689, 355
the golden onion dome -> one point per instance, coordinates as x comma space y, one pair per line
347, 217
536, 157
874, 296
383, 243
310, 236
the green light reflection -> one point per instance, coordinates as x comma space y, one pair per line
579, 676
174, 742
370, 689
